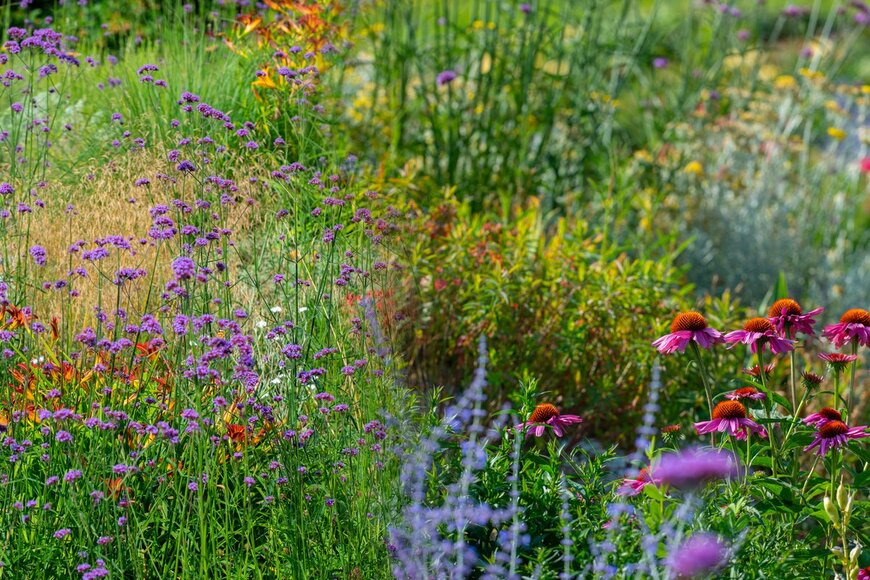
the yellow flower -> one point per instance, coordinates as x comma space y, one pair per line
833, 106
836, 133
785, 82
694, 168
643, 156
265, 81
477, 25
811, 74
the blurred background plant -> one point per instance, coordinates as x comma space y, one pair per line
591, 158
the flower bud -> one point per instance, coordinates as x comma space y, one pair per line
853, 556
842, 495
831, 510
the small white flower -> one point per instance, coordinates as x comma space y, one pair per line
303, 309
261, 324
276, 309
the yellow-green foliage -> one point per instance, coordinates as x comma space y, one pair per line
555, 300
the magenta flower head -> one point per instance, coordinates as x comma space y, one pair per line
687, 327
834, 434
695, 467
759, 333
756, 370
546, 415
822, 416
698, 556
634, 486
854, 326
730, 417
837, 361
788, 318
446, 77
864, 573
747, 393
660, 62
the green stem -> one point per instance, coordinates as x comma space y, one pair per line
810, 474
852, 379
793, 382
767, 404
748, 459
703, 372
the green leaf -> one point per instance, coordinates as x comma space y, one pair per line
781, 290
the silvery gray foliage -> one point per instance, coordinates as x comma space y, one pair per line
776, 199
430, 542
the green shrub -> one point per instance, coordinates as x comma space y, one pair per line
555, 301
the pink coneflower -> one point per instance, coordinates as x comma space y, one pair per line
864, 573
854, 325
633, 486
822, 416
685, 328
837, 361
547, 415
788, 318
698, 556
730, 417
835, 434
750, 393
755, 372
694, 467
758, 333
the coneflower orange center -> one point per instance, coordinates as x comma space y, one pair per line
543, 413
758, 325
729, 410
830, 414
688, 321
791, 307
832, 429
856, 316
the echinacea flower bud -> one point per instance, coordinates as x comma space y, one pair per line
755, 371
831, 511
842, 495
810, 380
